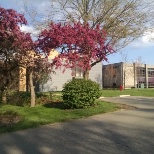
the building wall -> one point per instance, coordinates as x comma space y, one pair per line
22, 79
112, 75
95, 73
150, 76
128, 75
58, 79
118, 74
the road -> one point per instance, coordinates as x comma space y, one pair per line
121, 132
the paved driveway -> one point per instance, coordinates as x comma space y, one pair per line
120, 132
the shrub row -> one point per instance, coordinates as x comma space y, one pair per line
77, 93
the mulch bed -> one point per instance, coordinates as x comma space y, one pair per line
9, 120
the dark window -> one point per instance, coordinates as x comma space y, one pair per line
140, 72
150, 72
77, 72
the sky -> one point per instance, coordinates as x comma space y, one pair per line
142, 47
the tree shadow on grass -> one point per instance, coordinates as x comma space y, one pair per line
55, 104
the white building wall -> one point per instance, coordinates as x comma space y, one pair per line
128, 79
58, 79
95, 73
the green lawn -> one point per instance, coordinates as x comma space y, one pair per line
41, 115
45, 114
132, 92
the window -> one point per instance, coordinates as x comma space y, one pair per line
77, 72
151, 77
140, 71
150, 72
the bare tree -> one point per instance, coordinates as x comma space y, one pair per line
123, 20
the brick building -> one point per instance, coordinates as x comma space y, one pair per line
128, 75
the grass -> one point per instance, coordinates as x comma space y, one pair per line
41, 115
48, 114
132, 92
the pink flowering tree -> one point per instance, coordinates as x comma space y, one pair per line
80, 45
16, 50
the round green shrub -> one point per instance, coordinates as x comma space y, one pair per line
80, 93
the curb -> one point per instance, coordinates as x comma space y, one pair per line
124, 95
101, 97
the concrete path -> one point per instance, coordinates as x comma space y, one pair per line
120, 132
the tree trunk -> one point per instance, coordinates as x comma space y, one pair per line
86, 74
3, 97
32, 89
